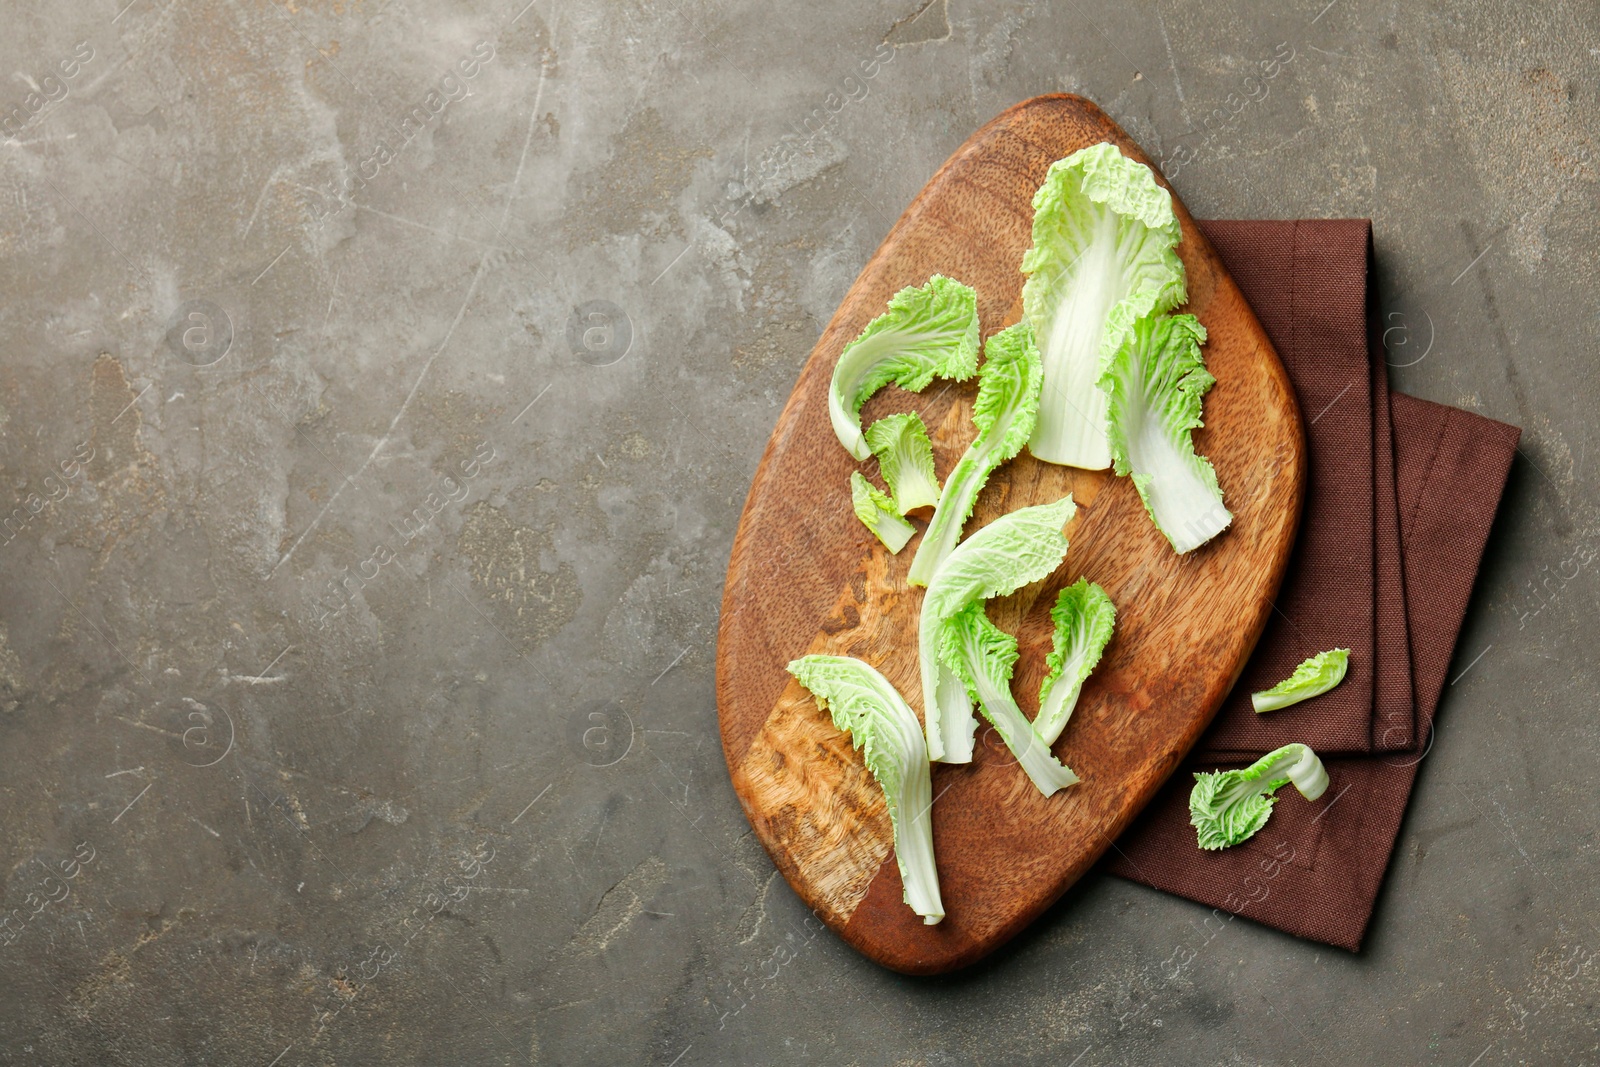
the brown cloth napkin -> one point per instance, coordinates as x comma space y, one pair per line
1307, 282
1401, 496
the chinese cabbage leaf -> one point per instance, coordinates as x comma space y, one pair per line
905, 459
1084, 617
884, 728
1102, 258
929, 331
1019, 547
876, 512
1155, 382
1227, 807
982, 656
1007, 402
1312, 678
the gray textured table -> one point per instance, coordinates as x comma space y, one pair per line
381, 385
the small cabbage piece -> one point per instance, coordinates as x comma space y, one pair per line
880, 723
1227, 807
1155, 381
1007, 403
876, 512
905, 459
1084, 617
1102, 258
1019, 547
929, 331
982, 656
1312, 678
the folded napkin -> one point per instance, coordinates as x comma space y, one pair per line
1398, 507
1308, 284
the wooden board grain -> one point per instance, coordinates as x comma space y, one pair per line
805, 577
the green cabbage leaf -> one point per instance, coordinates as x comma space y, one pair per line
877, 513
982, 655
1312, 678
1084, 618
905, 459
1227, 807
1007, 402
1015, 549
1155, 382
1103, 257
930, 331
884, 728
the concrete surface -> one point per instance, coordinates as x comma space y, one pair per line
382, 382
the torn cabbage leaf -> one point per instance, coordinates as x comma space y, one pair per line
982, 656
1084, 618
1102, 258
1312, 678
1004, 411
876, 512
905, 459
1019, 547
1227, 807
880, 724
929, 331
1155, 382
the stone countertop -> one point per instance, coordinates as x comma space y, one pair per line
380, 387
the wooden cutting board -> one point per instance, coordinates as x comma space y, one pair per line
805, 576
